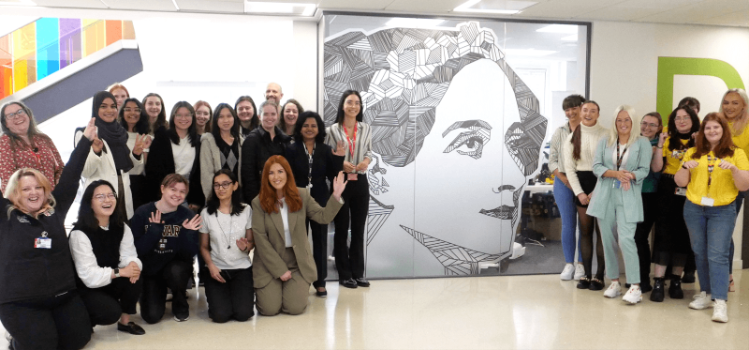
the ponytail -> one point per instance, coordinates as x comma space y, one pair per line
576, 137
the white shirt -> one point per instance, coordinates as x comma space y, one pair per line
625, 157
285, 218
89, 271
184, 157
224, 230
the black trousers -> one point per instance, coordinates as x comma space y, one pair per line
106, 305
153, 299
671, 242
233, 299
642, 233
59, 322
320, 251
349, 260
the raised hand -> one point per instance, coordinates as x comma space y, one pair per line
90, 131
142, 142
193, 224
662, 139
340, 149
338, 185
156, 217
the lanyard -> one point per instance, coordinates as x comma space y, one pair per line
618, 157
309, 155
351, 143
710, 168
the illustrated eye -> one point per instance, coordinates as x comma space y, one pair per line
468, 144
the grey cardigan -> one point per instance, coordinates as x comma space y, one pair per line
210, 162
640, 153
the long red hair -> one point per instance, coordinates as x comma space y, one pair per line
724, 148
269, 198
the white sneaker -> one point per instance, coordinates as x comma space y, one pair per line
567, 273
613, 291
633, 295
720, 311
701, 301
579, 271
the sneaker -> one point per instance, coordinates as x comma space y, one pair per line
701, 301
567, 273
633, 295
613, 291
720, 311
181, 318
579, 272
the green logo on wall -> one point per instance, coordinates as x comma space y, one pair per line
668, 67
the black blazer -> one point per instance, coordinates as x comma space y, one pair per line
256, 150
325, 164
160, 163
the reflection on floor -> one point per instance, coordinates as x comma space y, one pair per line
525, 312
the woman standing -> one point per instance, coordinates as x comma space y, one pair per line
39, 304
671, 241
120, 94
578, 163
105, 259
155, 109
289, 114
714, 171
262, 143
203, 114
135, 120
110, 158
357, 139
225, 243
621, 163
175, 151
221, 148
650, 127
23, 146
283, 268
562, 191
312, 162
247, 113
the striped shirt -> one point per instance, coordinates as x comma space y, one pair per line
362, 145
556, 148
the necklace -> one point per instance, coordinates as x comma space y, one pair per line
231, 225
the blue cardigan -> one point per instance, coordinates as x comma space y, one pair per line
640, 154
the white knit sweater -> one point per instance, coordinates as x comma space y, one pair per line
588, 142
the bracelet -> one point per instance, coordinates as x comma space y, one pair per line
683, 167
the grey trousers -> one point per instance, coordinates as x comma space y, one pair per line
626, 232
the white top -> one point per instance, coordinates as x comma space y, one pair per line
285, 218
625, 157
589, 138
184, 157
137, 168
89, 271
224, 230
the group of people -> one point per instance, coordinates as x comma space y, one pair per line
687, 179
216, 184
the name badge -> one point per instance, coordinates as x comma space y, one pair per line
353, 177
43, 243
617, 184
707, 202
681, 191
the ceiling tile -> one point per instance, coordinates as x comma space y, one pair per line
71, 3
565, 9
212, 5
431, 6
148, 5
700, 12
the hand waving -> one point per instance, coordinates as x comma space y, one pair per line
340, 149
90, 131
193, 224
156, 217
338, 185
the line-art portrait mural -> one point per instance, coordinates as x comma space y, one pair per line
456, 134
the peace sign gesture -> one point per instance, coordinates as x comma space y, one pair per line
142, 142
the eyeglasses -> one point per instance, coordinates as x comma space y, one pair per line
183, 116
649, 125
223, 185
20, 113
102, 197
678, 119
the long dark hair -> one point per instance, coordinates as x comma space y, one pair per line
161, 119
255, 121
341, 114
192, 131
236, 197
142, 126
725, 146
673, 138
215, 130
577, 135
320, 138
282, 121
86, 218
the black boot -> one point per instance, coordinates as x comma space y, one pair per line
658, 290
688, 277
674, 289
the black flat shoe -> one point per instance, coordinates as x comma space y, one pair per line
595, 284
131, 328
584, 283
361, 282
658, 290
348, 283
320, 293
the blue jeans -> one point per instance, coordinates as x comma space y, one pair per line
710, 230
568, 212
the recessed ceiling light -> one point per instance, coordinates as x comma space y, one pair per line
413, 22
502, 7
528, 52
307, 10
559, 28
17, 3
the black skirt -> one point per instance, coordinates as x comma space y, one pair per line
587, 182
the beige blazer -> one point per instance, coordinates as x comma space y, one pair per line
270, 242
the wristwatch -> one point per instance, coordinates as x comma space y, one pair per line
116, 272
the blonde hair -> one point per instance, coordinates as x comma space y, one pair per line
13, 191
633, 135
740, 123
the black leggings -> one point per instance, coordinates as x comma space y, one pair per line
350, 260
587, 225
59, 322
233, 299
671, 241
106, 304
153, 300
642, 233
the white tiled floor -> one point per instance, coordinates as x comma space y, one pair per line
524, 312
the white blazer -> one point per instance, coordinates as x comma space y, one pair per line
102, 168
